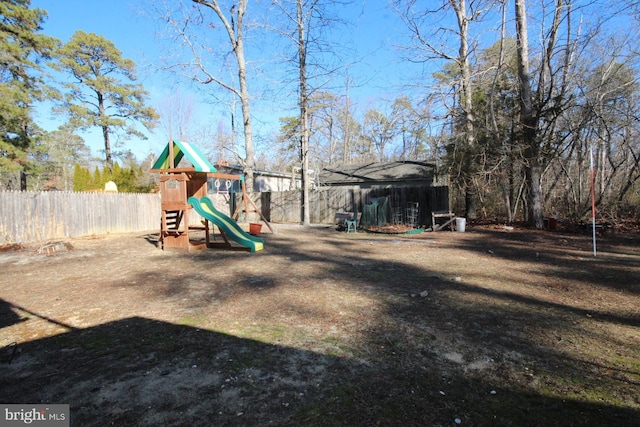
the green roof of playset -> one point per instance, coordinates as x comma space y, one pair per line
180, 150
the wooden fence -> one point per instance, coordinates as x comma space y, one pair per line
285, 207
28, 217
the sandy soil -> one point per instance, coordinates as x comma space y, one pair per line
493, 326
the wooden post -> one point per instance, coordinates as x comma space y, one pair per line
171, 159
244, 196
246, 200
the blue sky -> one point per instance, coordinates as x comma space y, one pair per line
118, 21
370, 34
369, 38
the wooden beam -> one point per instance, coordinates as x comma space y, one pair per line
174, 170
443, 226
223, 176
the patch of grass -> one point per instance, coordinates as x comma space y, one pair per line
193, 321
334, 346
629, 365
588, 389
266, 333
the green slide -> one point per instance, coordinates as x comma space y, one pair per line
227, 225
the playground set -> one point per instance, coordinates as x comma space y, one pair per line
183, 189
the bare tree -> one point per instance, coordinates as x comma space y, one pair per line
411, 125
542, 105
323, 125
176, 115
604, 120
465, 12
540, 110
527, 118
305, 20
302, 23
379, 131
183, 21
234, 27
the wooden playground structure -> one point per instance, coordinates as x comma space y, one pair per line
178, 184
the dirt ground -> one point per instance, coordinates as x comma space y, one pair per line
493, 326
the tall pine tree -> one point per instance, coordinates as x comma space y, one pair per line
104, 92
22, 49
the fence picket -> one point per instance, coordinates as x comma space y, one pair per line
326, 201
30, 216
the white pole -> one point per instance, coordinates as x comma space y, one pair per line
593, 201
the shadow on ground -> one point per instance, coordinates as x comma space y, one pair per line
144, 372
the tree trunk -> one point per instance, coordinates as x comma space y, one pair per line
248, 130
470, 199
105, 132
107, 147
304, 117
234, 29
346, 137
534, 196
23, 180
528, 121
466, 102
244, 99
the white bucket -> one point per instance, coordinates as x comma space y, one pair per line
460, 224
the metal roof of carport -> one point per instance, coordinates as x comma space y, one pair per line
372, 172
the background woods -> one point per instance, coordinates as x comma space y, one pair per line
507, 98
